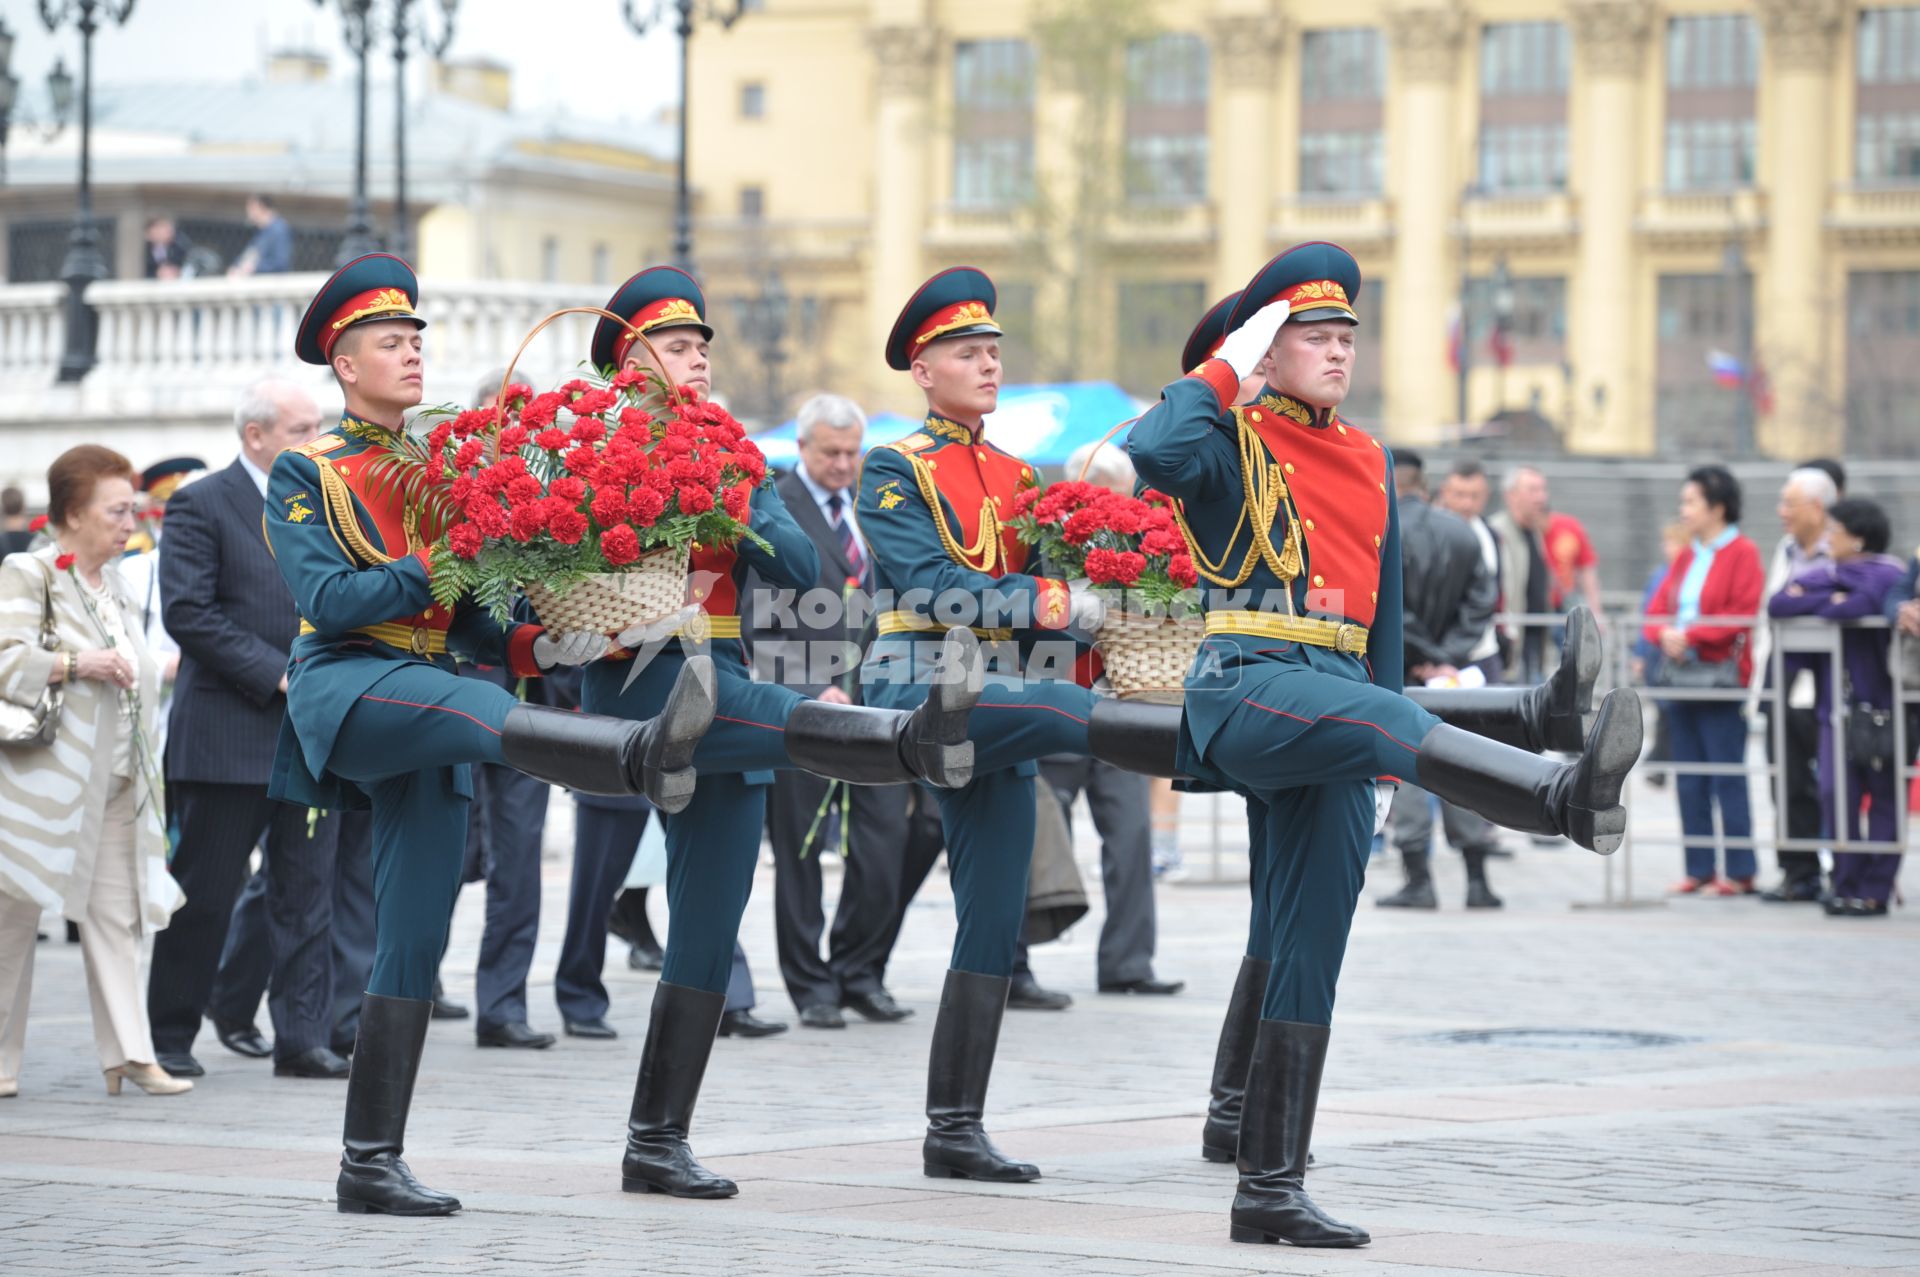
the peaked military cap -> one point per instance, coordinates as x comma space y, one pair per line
1204, 342
1319, 280
162, 477
957, 302
377, 286
658, 297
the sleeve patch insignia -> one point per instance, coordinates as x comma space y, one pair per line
298, 508
888, 494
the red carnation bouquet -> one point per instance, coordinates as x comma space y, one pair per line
1127, 547
580, 484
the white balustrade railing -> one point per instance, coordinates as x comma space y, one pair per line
33, 328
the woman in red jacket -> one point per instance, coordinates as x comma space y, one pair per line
1718, 575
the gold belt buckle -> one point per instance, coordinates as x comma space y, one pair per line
1346, 639
419, 643
698, 629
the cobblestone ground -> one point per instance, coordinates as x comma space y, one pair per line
1777, 1129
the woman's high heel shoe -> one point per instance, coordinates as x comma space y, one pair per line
150, 1078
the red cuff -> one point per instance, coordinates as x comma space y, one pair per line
1052, 605
424, 554
1088, 667
520, 650
1221, 379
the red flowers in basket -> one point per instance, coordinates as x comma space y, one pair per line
1117, 541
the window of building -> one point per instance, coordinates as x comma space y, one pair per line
1699, 316
753, 202
1713, 63
1342, 143
753, 101
1883, 363
993, 122
1153, 320
1523, 106
1167, 120
602, 264
1536, 326
550, 259
1887, 98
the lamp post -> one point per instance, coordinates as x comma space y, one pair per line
1733, 265
356, 22
9, 89
1502, 329
83, 263
656, 12
405, 32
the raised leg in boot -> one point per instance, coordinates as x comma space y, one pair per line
1283, 1090
595, 754
386, 1059
1220, 1138
964, 1039
672, 1063
1549, 716
869, 746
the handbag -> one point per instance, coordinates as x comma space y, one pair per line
33, 726
1697, 675
1869, 736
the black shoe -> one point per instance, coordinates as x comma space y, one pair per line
627, 919
1479, 891
373, 1178
822, 1016
964, 1038
179, 1063
1418, 891
645, 957
242, 1039
444, 1008
594, 754
877, 1006
515, 1033
1025, 994
314, 1062
1148, 985
672, 1064
744, 1024
1220, 1137
1866, 909
598, 1029
1276, 1129
1793, 891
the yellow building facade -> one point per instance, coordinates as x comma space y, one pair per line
1630, 195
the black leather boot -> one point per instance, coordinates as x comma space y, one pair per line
888, 746
1479, 894
1220, 1138
1283, 1090
964, 1038
1418, 891
1135, 736
679, 1041
386, 1059
595, 754
1549, 716
1578, 800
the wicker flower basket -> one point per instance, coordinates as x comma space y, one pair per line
651, 589
1146, 657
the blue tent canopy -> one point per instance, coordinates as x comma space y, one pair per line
1040, 423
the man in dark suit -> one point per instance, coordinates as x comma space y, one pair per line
228, 608
792, 645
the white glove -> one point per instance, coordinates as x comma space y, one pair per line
568, 647
1086, 610
1248, 344
653, 631
1382, 806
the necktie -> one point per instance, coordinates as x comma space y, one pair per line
849, 543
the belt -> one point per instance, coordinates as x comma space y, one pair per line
420, 641
1341, 636
911, 623
708, 626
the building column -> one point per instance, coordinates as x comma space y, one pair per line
1424, 39
1796, 298
1246, 49
903, 139
1611, 359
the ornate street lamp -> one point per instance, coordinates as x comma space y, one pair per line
83, 263
357, 28
9, 90
763, 322
643, 16
405, 32
1733, 265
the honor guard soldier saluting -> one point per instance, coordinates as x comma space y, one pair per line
1297, 702
1547, 717
377, 717
714, 844
930, 509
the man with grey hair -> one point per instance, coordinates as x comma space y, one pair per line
1804, 499
1524, 570
227, 606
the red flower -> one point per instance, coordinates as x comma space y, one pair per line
38, 523
1121, 514
1180, 569
541, 410
646, 506
620, 546
1024, 501
438, 436
489, 517
526, 521
582, 461
736, 500
461, 490
591, 402
64, 562
568, 489
1081, 525
464, 540
628, 377
1159, 541
1115, 567
636, 419
468, 454
524, 490
589, 430
568, 526
551, 439
609, 507
518, 391
695, 500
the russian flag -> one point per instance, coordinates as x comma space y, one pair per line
1726, 369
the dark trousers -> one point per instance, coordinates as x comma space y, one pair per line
219, 827
865, 918
1121, 806
1712, 732
604, 840
1801, 814
925, 839
508, 817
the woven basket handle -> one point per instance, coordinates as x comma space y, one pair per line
506, 378
1095, 450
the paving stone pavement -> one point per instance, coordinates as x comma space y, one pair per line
1775, 1129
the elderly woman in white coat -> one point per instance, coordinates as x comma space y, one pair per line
81, 821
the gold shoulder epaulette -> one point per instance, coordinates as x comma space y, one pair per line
325, 443
915, 442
